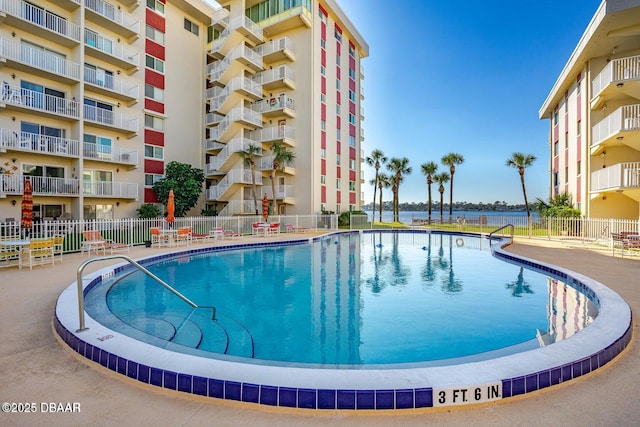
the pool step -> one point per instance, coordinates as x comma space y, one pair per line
240, 341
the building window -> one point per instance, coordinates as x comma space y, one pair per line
323, 70
153, 122
323, 17
156, 6
338, 134
352, 164
323, 125
555, 117
338, 159
153, 92
338, 84
352, 119
352, 96
154, 34
352, 186
323, 153
566, 174
555, 148
154, 152
97, 147
352, 74
338, 35
337, 59
323, 98
578, 127
154, 63
338, 183
323, 179
151, 178
338, 109
191, 27
352, 51
579, 166
352, 141
323, 43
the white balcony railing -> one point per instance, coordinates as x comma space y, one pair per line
41, 18
623, 118
41, 185
109, 154
618, 176
213, 118
37, 143
39, 101
241, 52
112, 83
235, 207
282, 191
114, 13
39, 58
110, 189
235, 145
235, 176
617, 70
233, 24
110, 118
273, 133
283, 72
266, 164
272, 46
238, 114
239, 83
111, 48
272, 104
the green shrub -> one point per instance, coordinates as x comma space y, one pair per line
148, 210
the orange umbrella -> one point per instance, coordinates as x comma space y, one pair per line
265, 207
26, 222
171, 208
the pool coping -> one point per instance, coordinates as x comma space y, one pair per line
321, 388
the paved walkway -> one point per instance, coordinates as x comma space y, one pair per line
35, 368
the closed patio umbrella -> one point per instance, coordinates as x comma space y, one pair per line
171, 208
265, 207
26, 223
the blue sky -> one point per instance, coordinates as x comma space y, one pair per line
466, 77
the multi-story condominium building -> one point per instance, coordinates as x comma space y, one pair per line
284, 76
98, 96
594, 112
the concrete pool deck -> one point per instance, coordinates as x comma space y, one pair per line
36, 369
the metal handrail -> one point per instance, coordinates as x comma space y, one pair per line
502, 228
139, 267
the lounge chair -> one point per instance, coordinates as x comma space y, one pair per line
93, 241
39, 252
231, 234
627, 241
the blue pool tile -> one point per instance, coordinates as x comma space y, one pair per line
346, 399
307, 398
170, 380
269, 395
250, 392
326, 399
566, 373
144, 373
288, 397
544, 379
184, 383
122, 365
517, 386
594, 362
506, 388
88, 351
404, 399
156, 377
365, 399
385, 399
216, 388
112, 362
132, 369
424, 397
531, 383
232, 390
577, 369
556, 376
104, 357
586, 366
200, 386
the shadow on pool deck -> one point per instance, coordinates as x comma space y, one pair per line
35, 368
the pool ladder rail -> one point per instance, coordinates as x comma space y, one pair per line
502, 228
139, 267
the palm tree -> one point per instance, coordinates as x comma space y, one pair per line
451, 160
249, 155
521, 161
428, 170
441, 179
384, 181
281, 158
376, 159
399, 167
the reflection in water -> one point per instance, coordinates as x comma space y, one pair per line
520, 286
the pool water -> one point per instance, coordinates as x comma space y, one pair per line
348, 299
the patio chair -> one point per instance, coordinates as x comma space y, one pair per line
274, 228
58, 245
9, 256
93, 240
256, 228
158, 239
183, 236
39, 252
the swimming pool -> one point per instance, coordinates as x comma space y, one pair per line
367, 387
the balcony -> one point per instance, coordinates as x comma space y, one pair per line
108, 119
234, 177
275, 106
106, 153
213, 119
110, 51
621, 127
294, 17
113, 18
38, 21
621, 178
234, 63
16, 98
277, 50
115, 87
237, 30
284, 133
276, 78
283, 192
237, 89
42, 186
109, 189
11, 140
266, 164
620, 78
25, 57
239, 207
